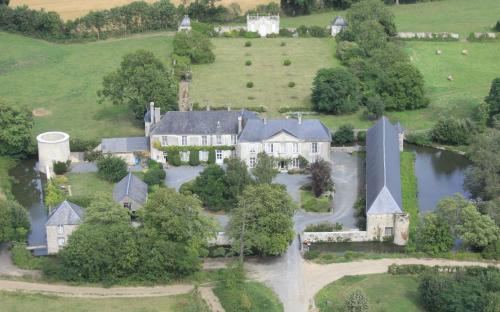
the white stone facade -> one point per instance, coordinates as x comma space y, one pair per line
263, 24
52, 147
57, 237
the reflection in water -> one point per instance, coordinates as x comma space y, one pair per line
27, 189
439, 174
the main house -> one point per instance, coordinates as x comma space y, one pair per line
236, 133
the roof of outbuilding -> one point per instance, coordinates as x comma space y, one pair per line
339, 21
257, 130
132, 187
383, 177
124, 145
147, 116
186, 21
66, 213
201, 122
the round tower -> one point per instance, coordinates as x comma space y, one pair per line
52, 147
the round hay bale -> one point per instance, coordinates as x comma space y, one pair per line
465, 52
450, 78
439, 52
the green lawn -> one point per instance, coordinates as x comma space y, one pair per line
87, 184
5, 183
385, 292
260, 298
64, 79
409, 187
312, 204
459, 16
224, 82
14, 302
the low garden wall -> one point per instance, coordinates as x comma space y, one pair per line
428, 35
348, 149
342, 236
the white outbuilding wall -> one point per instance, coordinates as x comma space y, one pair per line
263, 24
52, 147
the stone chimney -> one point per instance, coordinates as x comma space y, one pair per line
240, 124
299, 117
157, 114
151, 111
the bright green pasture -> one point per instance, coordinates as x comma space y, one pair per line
64, 79
223, 83
385, 292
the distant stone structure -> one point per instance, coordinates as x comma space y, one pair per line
428, 35
185, 24
52, 147
487, 35
263, 24
338, 24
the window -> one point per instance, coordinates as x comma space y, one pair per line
252, 162
204, 140
218, 154
60, 229
184, 140
283, 148
295, 147
389, 231
219, 140
184, 156
270, 148
203, 156
61, 241
164, 140
127, 205
252, 149
233, 139
314, 147
295, 163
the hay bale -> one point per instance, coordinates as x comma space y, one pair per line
465, 52
450, 78
439, 52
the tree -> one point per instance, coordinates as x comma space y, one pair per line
236, 179
374, 10
321, 177
210, 187
154, 176
142, 78
356, 302
15, 130
475, 229
14, 221
344, 135
493, 98
112, 168
434, 235
371, 37
4, 2
453, 131
335, 91
194, 45
103, 211
375, 106
54, 194
449, 210
262, 223
265, 169
297, 7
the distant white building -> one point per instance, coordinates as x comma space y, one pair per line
338, 24
185, 23
263, 24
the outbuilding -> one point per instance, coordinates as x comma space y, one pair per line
62, 221
131, 192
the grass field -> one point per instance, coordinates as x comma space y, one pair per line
64, 79
88, 184
14, 302
71, 9
259, 296
223, 83
394, 293
409, 187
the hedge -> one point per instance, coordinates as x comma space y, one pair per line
194, 158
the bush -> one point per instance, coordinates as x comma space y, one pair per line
311, 254
497, 26
318, 31
492, 251
112, 168
361, 137
248, 62
218, 252
284, 32
204, 28
347, 50
287, 62
154, 176
187, 188
356, 302
303, 31
452, 131
92, 155
291, 84
61, 167
194, 45
320, 227
174, 158
344, 135
402, 269
211, 157
153, 164
249, 84
248, 44
194, 158
282, 44
418, 138
81, 145
251, 35
22, 258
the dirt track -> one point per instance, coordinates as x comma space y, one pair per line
71, 9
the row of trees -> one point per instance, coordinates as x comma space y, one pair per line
15, 131
379, 73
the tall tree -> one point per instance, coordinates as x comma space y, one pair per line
142, 78
210, 187
321, 176
371, 10
475, 229
194, 45
434, 235
493, 98
335, 91
236, 179
14, 222
265, 169
103, 210
15, 130
262, 223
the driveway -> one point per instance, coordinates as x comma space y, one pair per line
8, 268
293, 182
176, 176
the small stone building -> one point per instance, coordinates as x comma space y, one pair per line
185, 24
338, 24
131, 192
263, 24
131, 149
62, 221
384, 203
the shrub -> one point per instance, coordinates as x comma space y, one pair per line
81, 145
174, 158
418, 138
112, 168
248, 62
361, 137
251, 34
152, 164
249, 84
318, 31
497, 26
320, 227
204, 28
61, 167
194, 158
321, 177
346, 50
211, 157
248, 44
291, 84
375, 106
187, 188
23, 258
338, 226
282, 44
452, 131
154, 176
287, 62
402, 269
284, 32
344, 135
302, 31
218, 252
311, 254
356, 302
92, 155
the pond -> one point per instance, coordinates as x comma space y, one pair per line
439, 174
27, 189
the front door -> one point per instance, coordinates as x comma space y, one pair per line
218, 157
282, 165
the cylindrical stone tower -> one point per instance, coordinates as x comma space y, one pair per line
52, 147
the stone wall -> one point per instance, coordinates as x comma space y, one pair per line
335, 237
428, 35
348, 149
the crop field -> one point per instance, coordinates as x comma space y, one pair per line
223, 83
71, 9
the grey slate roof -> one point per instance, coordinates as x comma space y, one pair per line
186, 21
201, 122
339, 21
383, 178
124, 145
256, 130
132, 187
66, 213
